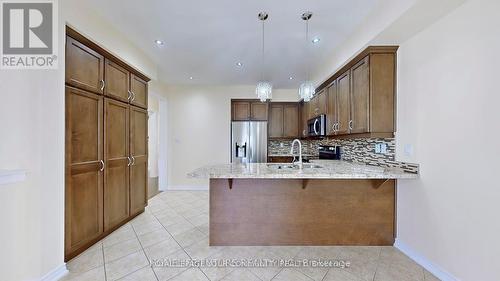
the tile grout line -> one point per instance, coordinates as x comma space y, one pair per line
104, 262
144, 252
178, 242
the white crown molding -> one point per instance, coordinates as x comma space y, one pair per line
12, 176
424, 262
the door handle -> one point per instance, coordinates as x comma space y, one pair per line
102, 165
315, 131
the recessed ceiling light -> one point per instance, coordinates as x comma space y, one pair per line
159, 43
316, 40
239, 64
291, 78
191, 78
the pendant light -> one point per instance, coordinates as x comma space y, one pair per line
264, 89
306, 89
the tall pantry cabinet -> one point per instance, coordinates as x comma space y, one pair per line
106, 143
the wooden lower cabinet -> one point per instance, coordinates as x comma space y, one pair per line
83, 173
280, 159
139, 156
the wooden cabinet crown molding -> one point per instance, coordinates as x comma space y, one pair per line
101, 50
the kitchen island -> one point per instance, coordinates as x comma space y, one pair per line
324, 203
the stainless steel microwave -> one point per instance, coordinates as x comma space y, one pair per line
316, 127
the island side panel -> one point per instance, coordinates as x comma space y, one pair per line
263, 212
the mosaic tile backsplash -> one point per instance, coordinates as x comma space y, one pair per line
360, 150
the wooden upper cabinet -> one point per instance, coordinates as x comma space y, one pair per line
258, 111
139, 157
332, 111
318, 104
139, 91
84, 179
366, 91
304, 112
360, 97
116, 81
116, 154
343, 100
241, 110
275, 121
291, 124
84, 67
249, 110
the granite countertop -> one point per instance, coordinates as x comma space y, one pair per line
330, 169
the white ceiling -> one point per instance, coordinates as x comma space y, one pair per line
205, 39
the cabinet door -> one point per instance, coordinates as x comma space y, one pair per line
241, 111
276, 121
139, 91
84, 67
291, 121
84, 179
304, 118
343, 95
360, 96
332, 118
322, 102
259, 111
313, 107
139, 155
117, 81
116, 154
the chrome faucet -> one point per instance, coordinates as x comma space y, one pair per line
300, 153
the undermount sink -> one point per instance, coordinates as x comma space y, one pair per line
293, 166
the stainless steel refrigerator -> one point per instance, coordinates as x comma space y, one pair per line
249, 142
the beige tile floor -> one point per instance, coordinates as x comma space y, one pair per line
175, 226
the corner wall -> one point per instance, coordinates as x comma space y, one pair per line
448, 99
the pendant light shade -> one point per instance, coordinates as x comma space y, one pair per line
307, 91
264, 89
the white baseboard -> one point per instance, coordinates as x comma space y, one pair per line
424, 262
56, 274
187, 188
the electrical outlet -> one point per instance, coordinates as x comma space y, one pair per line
383, 148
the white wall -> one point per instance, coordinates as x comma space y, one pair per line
32, 139
199, 127
448, 109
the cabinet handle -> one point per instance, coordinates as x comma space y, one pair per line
129, 95
102, 85
133, 96
338, 127
102, 165
129, 161
133, 160
350, 125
